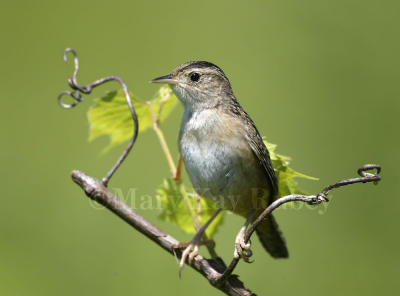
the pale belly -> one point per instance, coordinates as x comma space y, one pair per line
222, 166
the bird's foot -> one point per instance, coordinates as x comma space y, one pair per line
190, 251
242, 249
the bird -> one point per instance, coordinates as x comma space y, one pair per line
224, 155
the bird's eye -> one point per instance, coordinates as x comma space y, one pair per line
195, 77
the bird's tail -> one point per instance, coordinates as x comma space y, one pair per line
272, 238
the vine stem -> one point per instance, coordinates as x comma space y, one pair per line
365, 177
165, 148
76, 95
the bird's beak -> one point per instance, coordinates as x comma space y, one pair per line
164, 79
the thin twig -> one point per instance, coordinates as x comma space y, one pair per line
76, 95
311, 200
164, 146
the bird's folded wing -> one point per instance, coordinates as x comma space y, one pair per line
256, 143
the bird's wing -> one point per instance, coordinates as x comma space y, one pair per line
257, 145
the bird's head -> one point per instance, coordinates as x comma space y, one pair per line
198, 85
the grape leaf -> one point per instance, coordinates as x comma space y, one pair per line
285, 175
175, 208
110, 114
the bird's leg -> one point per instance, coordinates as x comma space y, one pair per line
177, 175
242, 249
192, 249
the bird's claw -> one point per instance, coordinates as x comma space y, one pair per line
242, 249
191, 251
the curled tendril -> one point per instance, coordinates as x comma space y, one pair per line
76, 61
362, 170
76, 95
364, 178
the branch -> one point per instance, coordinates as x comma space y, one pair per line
311, 200
211, 269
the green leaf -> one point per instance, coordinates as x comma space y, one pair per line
110, 114
175, 203
287, 184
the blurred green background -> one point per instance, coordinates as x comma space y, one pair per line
319, 78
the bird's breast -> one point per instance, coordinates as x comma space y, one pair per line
218, 158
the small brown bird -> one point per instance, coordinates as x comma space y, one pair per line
224, 154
